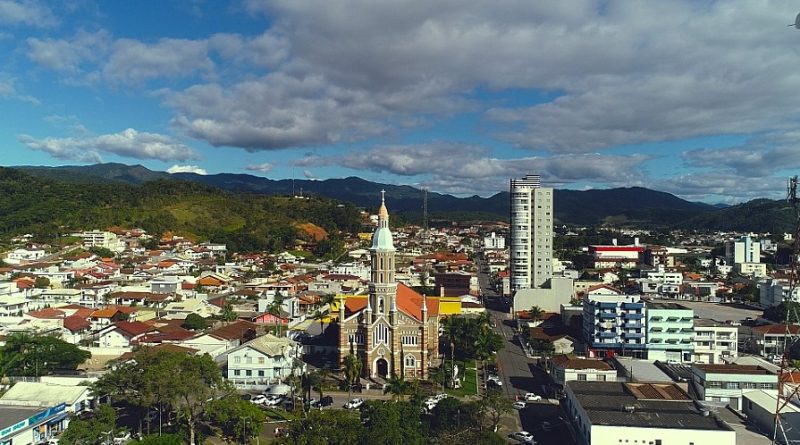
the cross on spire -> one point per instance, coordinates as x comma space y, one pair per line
383, 195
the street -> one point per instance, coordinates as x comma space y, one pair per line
520, 374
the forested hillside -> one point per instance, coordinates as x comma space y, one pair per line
47, 208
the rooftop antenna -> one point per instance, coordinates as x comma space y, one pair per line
788, 388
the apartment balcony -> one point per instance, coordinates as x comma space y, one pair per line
633, 334
607, 334
633, 316
606, 325
656, 318
633, 305
608, 315
605, 305
633, 325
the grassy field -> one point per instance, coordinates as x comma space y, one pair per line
469, 379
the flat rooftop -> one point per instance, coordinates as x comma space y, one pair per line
665, 305
709, 323
642, 406
732, 369
10, 415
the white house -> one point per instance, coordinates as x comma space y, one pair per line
262, 361
121, 334
565, 368
714, 342
22, 256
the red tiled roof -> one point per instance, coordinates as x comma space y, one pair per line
47, 313
355, 304
104, 313
410, 302
235, 330
75, 323
133, 328
777, 329
569, 362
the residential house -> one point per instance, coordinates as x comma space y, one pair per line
262, 361
180, 309
769, 339
121, 334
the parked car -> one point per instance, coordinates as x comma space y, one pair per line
122, 437
260, 399
440, 397
273, 400
523, 436
494, 380
354, 403
326, 401
531, 397
519, 404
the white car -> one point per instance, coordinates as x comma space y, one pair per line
122, 437
440, 397
531, 397
519, 404
260, 399
494, 381
354, 403
523, 436
429, 405
273, 400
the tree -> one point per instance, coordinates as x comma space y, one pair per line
320, 316
228, 314
392, 423
328, 427
194, 322
165, 439
778, 312
35, 355
397, 386
91, 431
42, 282
491, 408
352, 371
175, 379
535, 313
236, 417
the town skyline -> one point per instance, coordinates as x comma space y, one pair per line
594, 95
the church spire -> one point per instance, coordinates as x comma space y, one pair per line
383, 214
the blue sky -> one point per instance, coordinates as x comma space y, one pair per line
696, 98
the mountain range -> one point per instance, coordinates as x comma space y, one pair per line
630, 206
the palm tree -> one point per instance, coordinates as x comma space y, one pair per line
276, 310
397, 386
320, 316
535, 313
228, 314
352, 371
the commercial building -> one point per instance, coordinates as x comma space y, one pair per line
714, 342
770, 338
759, 408
604, 413
774, 291
568, 368
26, 425
669, 332
531, 233
725, 385
614, 323
614, 256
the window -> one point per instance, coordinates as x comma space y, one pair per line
236, 372
411, 362
410, 340
601, 378
261, 373
248, 373
381, 335
237, 360
581, 377
261, 360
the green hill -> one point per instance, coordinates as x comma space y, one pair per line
620, 206
48, 207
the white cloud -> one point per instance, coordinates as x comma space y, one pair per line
71, 55
264, 167
461, 168
308, 174
128, 143
26, 12
187, 169
8, 89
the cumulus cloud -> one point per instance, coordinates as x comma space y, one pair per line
264, 167
26, 12
128, 143
308, 174
187, 169
69, 55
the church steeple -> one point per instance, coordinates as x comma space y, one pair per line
382, 285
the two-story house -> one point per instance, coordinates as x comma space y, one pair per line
262, 361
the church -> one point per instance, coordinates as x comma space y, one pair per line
395, 330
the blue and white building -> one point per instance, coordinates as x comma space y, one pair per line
615, 324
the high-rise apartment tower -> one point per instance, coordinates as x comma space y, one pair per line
531, 233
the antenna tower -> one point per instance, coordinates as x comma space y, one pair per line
789, 375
